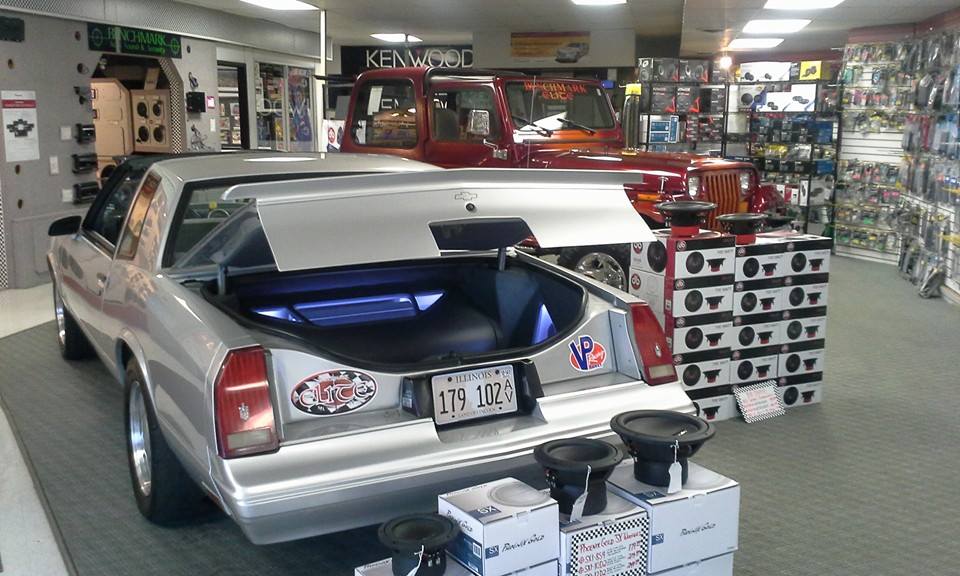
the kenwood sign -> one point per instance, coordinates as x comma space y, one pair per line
356, 59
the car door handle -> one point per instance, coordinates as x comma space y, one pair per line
101, 282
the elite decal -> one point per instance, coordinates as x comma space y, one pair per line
333, 392
587, 354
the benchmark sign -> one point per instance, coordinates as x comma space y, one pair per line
135, 41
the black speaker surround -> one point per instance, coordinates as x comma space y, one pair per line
794, 329
658, 438
693, 300
685, 213
796, 296
747, 335
691, 374
657, 257
407, 535
694, 338
695, 262
742, 223
751, 267
748, 302
745, 370
790, 396
793, 363
565, 463
798, 262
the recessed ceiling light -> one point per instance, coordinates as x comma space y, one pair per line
801, 4
774, 26
282, 4
599, 2
753, 43
396, 37
726, 62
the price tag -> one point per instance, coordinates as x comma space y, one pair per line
759, 401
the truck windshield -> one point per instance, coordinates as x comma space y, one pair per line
545, 106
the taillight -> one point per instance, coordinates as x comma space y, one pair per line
242, 406
655, 358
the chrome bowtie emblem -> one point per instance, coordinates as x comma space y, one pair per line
244, 412
465, 196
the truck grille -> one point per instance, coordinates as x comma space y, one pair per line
721, 187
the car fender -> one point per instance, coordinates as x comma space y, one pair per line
767, 199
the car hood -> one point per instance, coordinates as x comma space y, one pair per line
671, 165
350, 220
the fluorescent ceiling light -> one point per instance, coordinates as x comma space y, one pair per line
801, 4
282, 4
396, 37
753, 43
774, 26
599, 2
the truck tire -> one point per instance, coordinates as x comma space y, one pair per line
71, 339
163, 490
607, 264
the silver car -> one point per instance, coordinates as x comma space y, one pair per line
320, 342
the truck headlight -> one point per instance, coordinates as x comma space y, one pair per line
693, 186
746, 182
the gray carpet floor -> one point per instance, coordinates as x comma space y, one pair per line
864, 484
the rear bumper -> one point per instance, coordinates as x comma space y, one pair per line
360, 478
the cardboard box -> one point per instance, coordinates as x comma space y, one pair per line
801, 358
663, 99
815, 257
698, 333
666, 69
760, 363
710, 295
814, 70
757, 330
803, 324
703, 369
716, 566
611, 543
758, 296
700, 521
385, 568
764, 72
801, 390
501, 531
808, 291
762, 260
706, 254
716, 404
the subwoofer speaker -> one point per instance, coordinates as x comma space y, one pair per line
695, 262
572, 464
657, 257
748, 301
747, 335
796, 296
406, 536
790, 396
745, 370
691, 374
751, 267
658, 438
693, 301
694, 338
794, 330
798, 262
793, 363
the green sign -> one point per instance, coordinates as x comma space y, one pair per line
109, 38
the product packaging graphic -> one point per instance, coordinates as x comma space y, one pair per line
703, 369
803, 324
705, 254
801, 358
611, 543
758, 296
763, 259
759, 363
757, 330
505, 526
808, 291
716, 404
700, 521
800, 390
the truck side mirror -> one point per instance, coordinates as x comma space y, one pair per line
65, 226
478, 123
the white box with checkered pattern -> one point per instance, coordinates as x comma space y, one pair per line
611, 543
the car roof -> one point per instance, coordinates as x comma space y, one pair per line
215, 166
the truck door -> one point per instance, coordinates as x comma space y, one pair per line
461, 118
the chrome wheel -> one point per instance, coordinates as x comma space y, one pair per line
604, 268
61, 321
140, 438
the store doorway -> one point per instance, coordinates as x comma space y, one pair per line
234, 110
285, 108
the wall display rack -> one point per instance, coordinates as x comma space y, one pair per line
898, 196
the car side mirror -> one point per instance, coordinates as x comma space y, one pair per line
478, 123
65, 226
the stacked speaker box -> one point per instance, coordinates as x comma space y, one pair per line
803, 326
686, 275
112, 119
151, 120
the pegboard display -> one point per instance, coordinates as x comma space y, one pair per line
898, 197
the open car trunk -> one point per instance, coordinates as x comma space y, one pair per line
411, 313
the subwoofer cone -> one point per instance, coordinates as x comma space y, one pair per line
796, 296
793, 363
566, 462
142, 109
157, 109
658, 438
691, 375
693, 301
798, 262
748, 302
746, 336
657, 257
745, 370
751, 267
695, 262
694, 338
405, 536
794, 330
159, 134
143, 134
790, 396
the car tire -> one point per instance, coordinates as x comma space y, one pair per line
73, 342
599, 263
163, 490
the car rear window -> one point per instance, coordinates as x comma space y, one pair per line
203, 212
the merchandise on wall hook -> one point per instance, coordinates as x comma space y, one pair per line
194, 83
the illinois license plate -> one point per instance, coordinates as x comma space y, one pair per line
472, 394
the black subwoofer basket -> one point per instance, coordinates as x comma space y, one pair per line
651, 437
565, 463
407, 535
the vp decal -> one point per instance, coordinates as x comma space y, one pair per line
587, 354
334, 392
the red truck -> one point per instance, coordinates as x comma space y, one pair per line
461, 118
